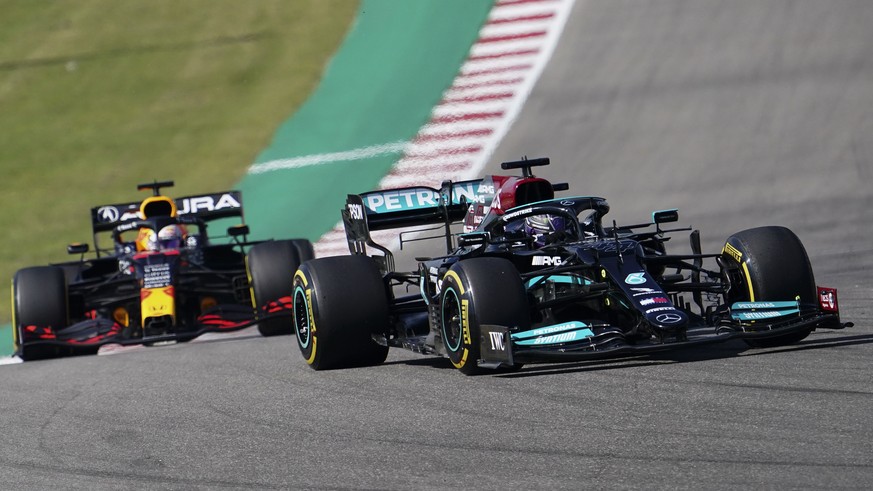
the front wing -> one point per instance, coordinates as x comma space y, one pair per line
88, 335
497, 348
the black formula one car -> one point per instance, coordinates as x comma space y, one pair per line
162, 279
536, 278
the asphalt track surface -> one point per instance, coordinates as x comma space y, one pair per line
739, 113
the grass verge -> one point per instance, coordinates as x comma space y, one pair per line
100, 95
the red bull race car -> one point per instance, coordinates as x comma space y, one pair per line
533, 278
156, 275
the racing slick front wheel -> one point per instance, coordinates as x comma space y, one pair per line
475, 292
271, 266
39, 309
339, 303
770, 265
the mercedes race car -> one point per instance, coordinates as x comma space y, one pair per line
535, 278
161, 278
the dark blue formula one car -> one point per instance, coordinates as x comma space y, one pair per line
535, 278
160, 278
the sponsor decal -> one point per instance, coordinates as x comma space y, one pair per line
556, 338
514, 214
465, 323
407, 199
127, 226
660, 309
156, 275
757, 305
827, 299
547, 261
568, 202
668, 318
748, 316
497, 343
560, 327
733, 252
415, 198
108, 214
356, 211
636, 278
611, 246
764, 305
208, 203
560, 333
650, 301
643, 291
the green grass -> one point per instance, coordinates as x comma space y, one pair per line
97, 96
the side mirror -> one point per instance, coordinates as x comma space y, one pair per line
561, 186
238, 230
665, 216
77, 248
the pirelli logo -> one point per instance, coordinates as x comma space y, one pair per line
733, 252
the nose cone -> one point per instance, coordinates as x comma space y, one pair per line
667, 318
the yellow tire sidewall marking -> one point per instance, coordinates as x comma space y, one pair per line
313, 339
465, 320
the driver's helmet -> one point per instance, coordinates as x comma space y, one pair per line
540, 227
170, 237
146, 240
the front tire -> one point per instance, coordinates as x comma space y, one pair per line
39, 302
339, 303
474, 292
771, 264
271, 266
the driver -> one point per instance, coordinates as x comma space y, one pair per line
546, 229
168, 238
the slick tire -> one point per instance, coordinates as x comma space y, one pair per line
772, 265
271, 266
474, 292
305, 251
39, 298
339, 303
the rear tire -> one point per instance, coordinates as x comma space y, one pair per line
304, 250
773, 265
271, 266
475, 292
39, 300
339, 303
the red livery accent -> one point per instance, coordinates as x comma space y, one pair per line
827, 299
284, 303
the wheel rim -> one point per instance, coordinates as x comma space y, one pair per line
451, 320
301, 318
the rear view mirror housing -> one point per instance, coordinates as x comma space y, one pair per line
665, 216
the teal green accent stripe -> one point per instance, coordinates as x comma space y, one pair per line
559, 278
550, 330
789, 304
6, 340
752, 311
379, 89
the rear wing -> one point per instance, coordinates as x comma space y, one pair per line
419, 205
406, 207
205, 207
